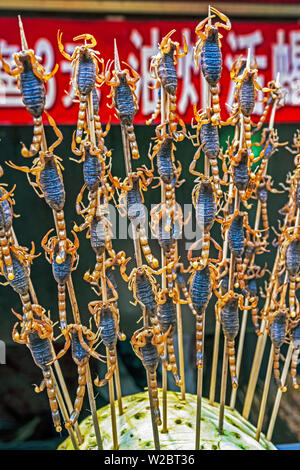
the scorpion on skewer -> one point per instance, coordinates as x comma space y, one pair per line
208, 47
107, 318
61, 271
31, 79
47, 170
163, 70
82, 341
85, 73
124, 99
38, 338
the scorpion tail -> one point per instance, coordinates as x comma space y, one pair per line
232, 365
156, 112
111, 366
96, 274
132, 142
215, 175
216, 117
172, 361
37, 138
79, 397
6, 255
276, 369
62, 237
27, 306
294, 363
205, 248
172, 114
189, 300
247, 134
81, 118
154, 394
52, 399
62, 306
146, 249
199, 339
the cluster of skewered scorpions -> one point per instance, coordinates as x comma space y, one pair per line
207, 275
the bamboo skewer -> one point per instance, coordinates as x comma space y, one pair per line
200, 370
261, 341
137, 250
279, 392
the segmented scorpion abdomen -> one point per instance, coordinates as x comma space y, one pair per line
108, 328
6, 214
277, 335
166, 238
230, 324
91, 170
211, 58
149, 355
241, 172
205, 204
145, 293
251, 287
98, 233
236, 235
20, 283
230, 318
209, 137
247, 96
32, 89
41, 349
164, 161
292, 257
79, 353
135, 207
200, 289
262, 192
166, 72
61, 272
52, 184
167, 315
86, 73
124, 101
95, 101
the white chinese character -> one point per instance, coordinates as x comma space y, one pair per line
186, 67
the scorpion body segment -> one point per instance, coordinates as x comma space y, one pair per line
6, 212
247, 96
230, 324
209, 137
92, 169
145, 293
205, 204
142, 343
241, 176
164, 160
211, 58
52, 185
292, 257
20, 281
278, 334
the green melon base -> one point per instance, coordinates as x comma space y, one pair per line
135, 431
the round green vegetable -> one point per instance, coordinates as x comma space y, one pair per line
135, 430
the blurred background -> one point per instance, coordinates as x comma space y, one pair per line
272, 31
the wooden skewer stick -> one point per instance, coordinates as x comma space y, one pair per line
214, 368
137, 250
261, 341
91, 127
230, 287
200, 370
22, 34
270, 366
279, 392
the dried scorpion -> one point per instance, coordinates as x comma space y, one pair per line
163, 70
106, 316
124, 99
85, 73
47, 170
38, 338
208, 47
61, 271
31, 78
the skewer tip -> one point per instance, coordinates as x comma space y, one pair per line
116, 57
22, 34
277, 83
248, 64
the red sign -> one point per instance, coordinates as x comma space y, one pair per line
276, 47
